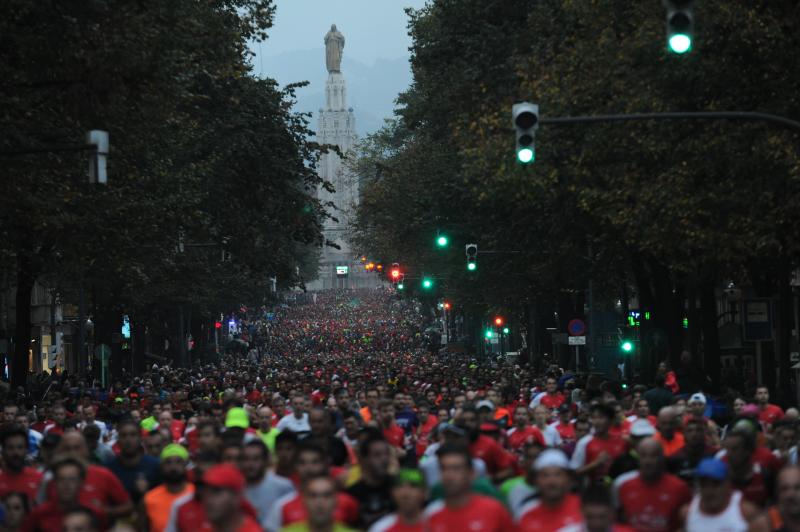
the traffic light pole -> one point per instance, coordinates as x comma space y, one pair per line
687, 115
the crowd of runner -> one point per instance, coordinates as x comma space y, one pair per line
341, 417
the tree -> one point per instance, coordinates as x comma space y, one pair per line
645, 209
204, 157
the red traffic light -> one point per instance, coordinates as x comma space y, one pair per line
498, 321
447, 305
218, 325
395, 273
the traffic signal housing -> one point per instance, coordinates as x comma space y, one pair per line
680, 25
525, 117
472, 257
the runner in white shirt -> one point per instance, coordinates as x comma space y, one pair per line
297, 421
717, 507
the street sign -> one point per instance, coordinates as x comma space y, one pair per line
757, 321
342, 271
577, 340
576, 327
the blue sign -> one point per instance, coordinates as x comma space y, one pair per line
576, 327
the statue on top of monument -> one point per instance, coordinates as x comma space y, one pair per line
334, 44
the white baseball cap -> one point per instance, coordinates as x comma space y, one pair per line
551, 458
698, 398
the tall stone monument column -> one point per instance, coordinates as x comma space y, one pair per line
337, 126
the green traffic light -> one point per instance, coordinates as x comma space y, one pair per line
427, 283
526, 155
627, 346
680, 43
400, 286
489, 333
505, 330
471, 266
441, 241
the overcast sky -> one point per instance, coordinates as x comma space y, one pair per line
373, 29
375, 61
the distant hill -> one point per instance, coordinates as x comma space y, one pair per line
371, 89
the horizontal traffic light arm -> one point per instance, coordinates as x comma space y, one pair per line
687, 115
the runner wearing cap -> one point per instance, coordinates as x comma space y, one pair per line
629, 461
649, 498
716, 506
408, 494
695, 409
222, 500
556, 507
158, 501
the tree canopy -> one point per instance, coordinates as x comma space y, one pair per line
661, 210
212, 177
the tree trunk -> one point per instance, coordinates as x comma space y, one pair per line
783, 332
711, 352
22, 337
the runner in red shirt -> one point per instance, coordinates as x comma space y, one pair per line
564, 426
310, 462
642, 411
499, 462
427, 422
649, 498
594, 453
393, 433
408, 495
101, 488
522, 431
556, 507
552, 398
222, 500
15, 476
598, 511
746, 474
767, 413
68, 474
461, 510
